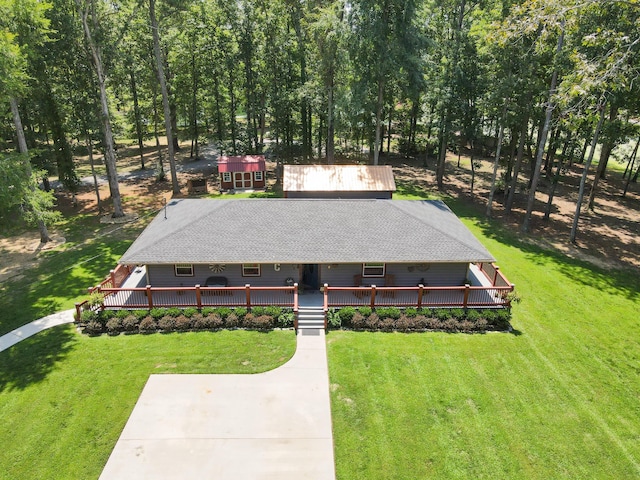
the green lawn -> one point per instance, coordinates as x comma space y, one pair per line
65, 397
558, 398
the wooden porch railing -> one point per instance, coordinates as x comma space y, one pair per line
419, 296
494, 274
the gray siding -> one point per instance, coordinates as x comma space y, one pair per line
337, 275
437, 274
164, 275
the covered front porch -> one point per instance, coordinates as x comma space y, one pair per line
126, 288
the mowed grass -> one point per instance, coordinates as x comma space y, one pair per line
557, 398
65, 397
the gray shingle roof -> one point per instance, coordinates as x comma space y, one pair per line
305, 231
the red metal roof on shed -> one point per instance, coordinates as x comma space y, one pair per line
246, 163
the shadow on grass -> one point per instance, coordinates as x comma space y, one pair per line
616, 282
60, 278
31, 360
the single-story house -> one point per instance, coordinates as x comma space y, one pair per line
312, 242
338, 181
245, 172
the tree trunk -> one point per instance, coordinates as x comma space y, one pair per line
93, 171
194, 106
330, 124
442, 153
632, 162
496, 163
109, 148
585, 172
543, 140
389, 133
165, 96
22, 147
376, 146
136, 112
552, 189
516, 168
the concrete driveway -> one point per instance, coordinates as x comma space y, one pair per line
273, 425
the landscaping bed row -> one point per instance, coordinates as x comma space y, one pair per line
387, 319
114, 322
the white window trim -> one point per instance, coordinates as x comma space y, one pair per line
246, 266
184, 266
226, 177
258, 176
366, 266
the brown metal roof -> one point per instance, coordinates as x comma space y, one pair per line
338, 178
245, 163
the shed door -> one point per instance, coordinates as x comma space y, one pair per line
242, 180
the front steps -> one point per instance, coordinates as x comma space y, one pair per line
310, 317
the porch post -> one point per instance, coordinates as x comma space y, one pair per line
466, 295
247, 288
495, 275
148, 292
198, 297
112, 274
373, 296
325, 306
420, 293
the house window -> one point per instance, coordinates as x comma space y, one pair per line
184, 270
250, 269
373, 269
258, 176
226, 177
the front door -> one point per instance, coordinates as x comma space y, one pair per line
310, 277
242, 180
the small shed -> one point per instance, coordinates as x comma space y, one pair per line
338, 181
246, 172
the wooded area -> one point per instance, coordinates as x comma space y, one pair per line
536, 85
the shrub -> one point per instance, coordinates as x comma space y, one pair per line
183, 323
365, 311
467, 326
404, 324
189, 312
93, 328
391, 312
200, 321
223, 312
130, 323
96, 299
286, 319
121, 314
450, 325
240, 313
372, 322
481, 325
167, 323
411, 312
158, 313
473, 315
247, 321
107, 314
456, 313
140, 314
174, 312
441, 314
346, 315
88, 316
333, 319
148, 325
232, 321
420, 322
387, 324
260, 322
114, 326
358, 321
207, 311
257, 311
273, 311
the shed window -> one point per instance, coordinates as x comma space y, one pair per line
226, 176
373, 269
258, 176
184, 270
250, 269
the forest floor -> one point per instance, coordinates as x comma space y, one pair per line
608, 236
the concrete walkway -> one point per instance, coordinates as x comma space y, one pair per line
25, 331
273, 425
